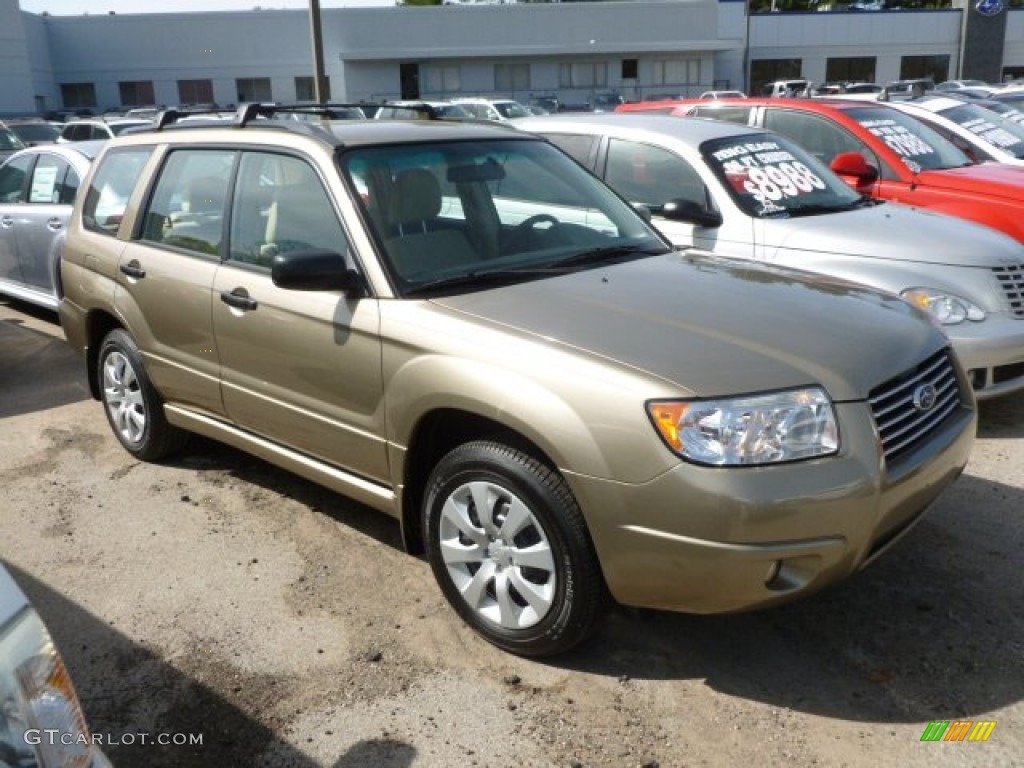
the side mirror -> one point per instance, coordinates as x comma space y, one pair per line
854, 165
644, 211
315, 271
680, 209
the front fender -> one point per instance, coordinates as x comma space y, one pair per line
607, 436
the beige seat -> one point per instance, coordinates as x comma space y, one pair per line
421, 245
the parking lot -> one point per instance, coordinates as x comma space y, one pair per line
215, 595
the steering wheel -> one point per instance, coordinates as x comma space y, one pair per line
519, 235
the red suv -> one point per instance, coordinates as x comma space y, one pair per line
880, 151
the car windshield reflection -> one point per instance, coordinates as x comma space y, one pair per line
464, 215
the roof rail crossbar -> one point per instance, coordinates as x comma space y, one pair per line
165, 118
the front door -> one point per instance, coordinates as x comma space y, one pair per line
302, 368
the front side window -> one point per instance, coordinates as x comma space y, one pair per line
280, 206
110, 188
187, 209
818, 135
465, 215
770, 176
918, 146
12, 179
646, 174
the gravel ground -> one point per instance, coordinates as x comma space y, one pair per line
215, 595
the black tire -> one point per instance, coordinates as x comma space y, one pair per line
134, 409
568, 586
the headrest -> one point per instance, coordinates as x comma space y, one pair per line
416, 197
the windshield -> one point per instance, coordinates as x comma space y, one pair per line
989, 127
1005, 110
118, 128
769, 176
8, 140
511, 109
37, 132
463, 215
919, 147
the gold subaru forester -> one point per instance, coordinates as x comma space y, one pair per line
456, 324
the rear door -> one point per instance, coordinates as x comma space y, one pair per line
166, 273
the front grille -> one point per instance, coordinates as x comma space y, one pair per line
1011, 280
902, 423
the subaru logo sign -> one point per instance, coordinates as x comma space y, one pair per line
924, 397
989, 7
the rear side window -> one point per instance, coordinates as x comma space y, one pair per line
110, 188
580, 148
188, 206
48, 181
728, 114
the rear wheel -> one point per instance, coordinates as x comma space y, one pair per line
510, 549
133, 407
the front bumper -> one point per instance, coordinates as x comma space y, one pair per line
992, 353
711, 540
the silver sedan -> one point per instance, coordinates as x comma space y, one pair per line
37, 189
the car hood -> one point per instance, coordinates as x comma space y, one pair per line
993, 179
713, 327
895, 232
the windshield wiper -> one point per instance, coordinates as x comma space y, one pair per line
479, 279
608, 253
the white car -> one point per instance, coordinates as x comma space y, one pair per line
748, 193
494, 109
982, 134
41, 719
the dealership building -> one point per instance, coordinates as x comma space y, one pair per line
639, 48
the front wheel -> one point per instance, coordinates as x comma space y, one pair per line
133, 406
510, 549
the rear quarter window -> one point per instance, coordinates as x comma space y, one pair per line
110, 188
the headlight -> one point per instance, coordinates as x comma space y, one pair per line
53, 705
758, 429
947, 308
41, 721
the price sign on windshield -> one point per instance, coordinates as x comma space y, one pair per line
899, 138
767, 171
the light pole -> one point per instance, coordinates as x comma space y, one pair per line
319, 76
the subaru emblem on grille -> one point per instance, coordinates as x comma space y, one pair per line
924, 397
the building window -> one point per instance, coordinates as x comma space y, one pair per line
253, 89
583, 74
304, 90
135, 93
195, 91
858, 69
511, 77
763, 71
443, 79
935, 67
630, 68
78, 94
676, 72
